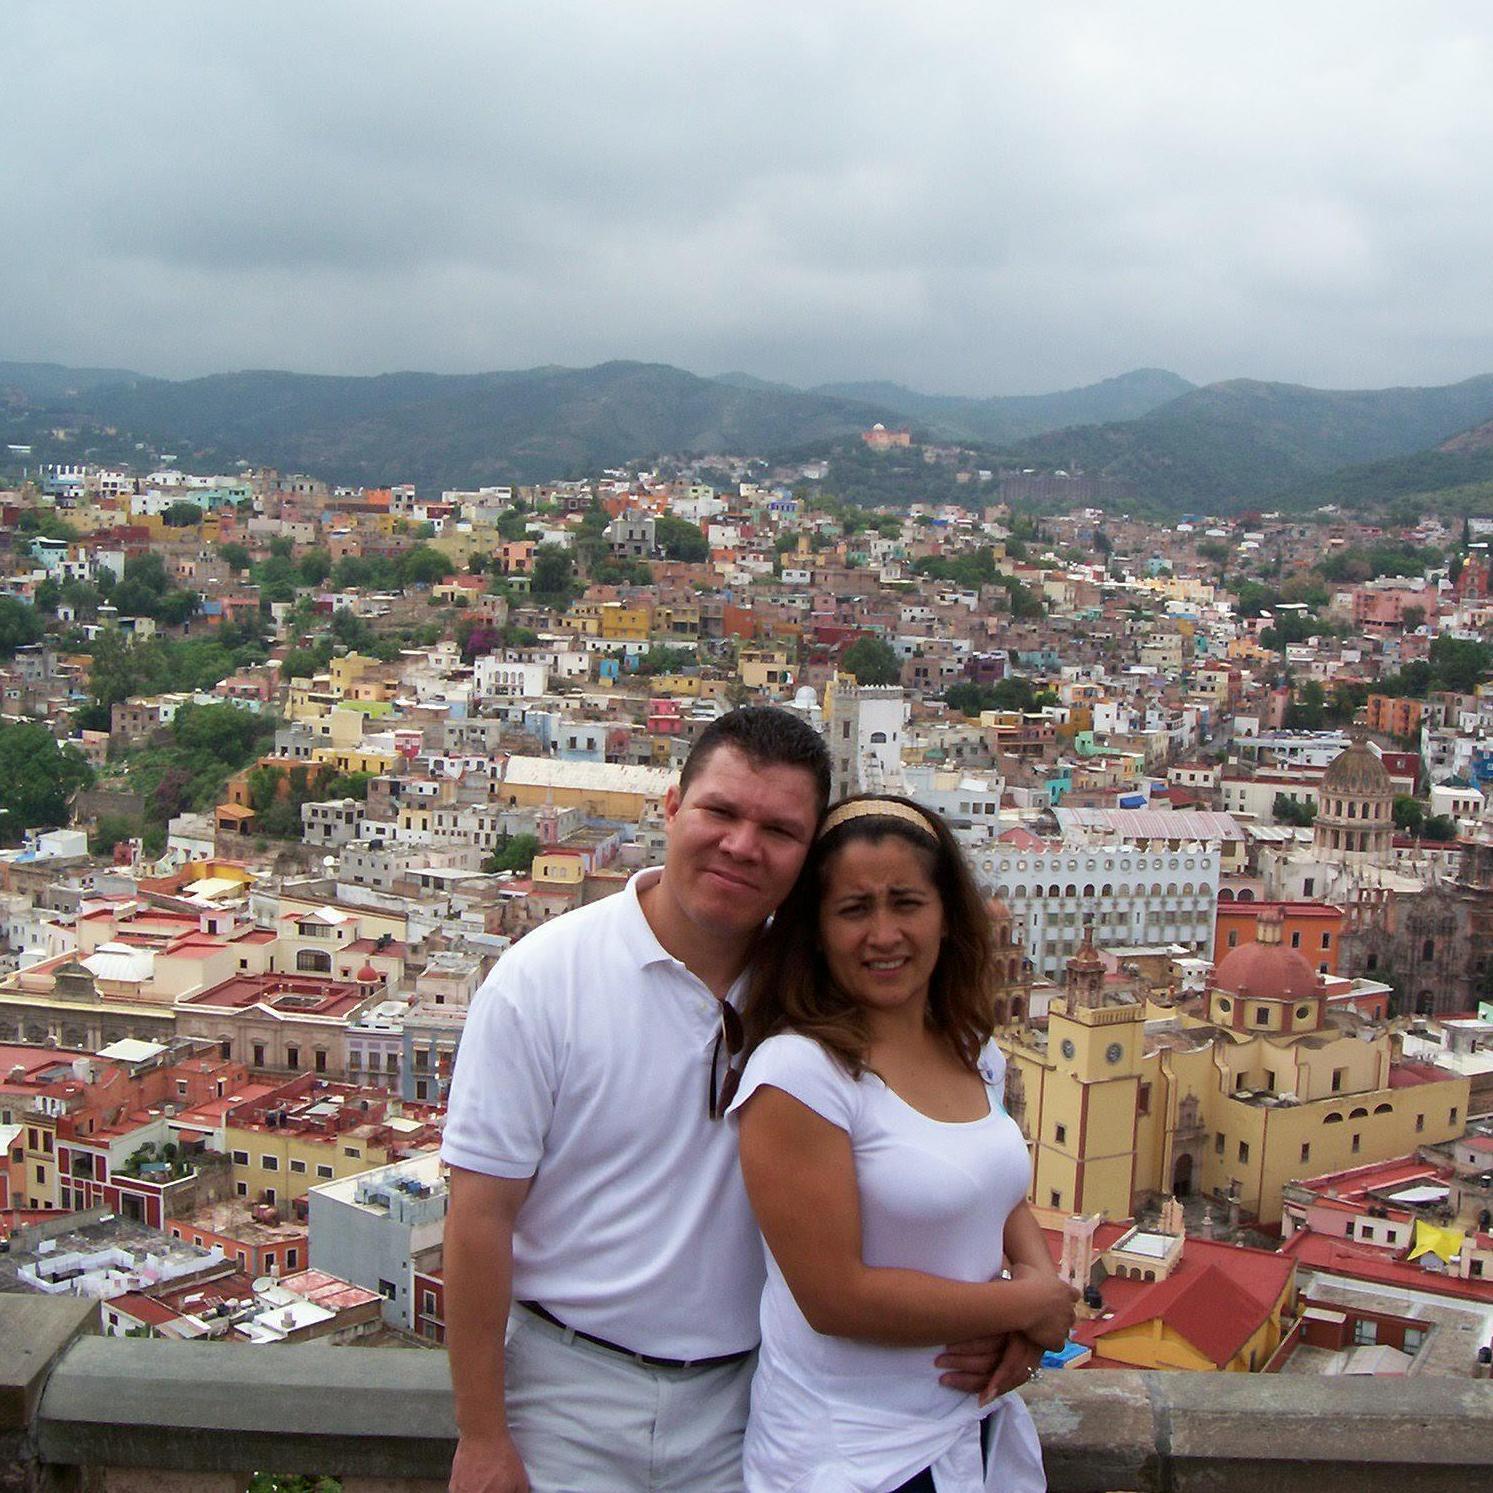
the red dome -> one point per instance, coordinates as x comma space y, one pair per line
368, 975
1265, 971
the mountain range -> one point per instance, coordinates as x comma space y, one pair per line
1235, 444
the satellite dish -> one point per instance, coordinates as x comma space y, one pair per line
262, 1283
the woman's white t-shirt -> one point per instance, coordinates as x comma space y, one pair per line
829, 1413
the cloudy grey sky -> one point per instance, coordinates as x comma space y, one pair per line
979, 197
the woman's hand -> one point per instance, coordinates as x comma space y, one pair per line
1019, 1361
1053, 1303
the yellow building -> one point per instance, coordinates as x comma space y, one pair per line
621, 623
769, 670
679, 623
273, 1165
1173, 1302
1238, 1093
606, 789
356, 758
39, 1145
565, 868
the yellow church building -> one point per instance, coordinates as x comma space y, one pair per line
1231, 1094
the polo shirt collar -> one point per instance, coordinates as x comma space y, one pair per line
640, 943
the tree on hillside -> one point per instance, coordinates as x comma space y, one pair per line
314, 567
515, 854
680, 540
37, 777
1289, 811
19, 625
1459, 663
181, 514
872, 661
235, 556
423, 566
1409, 814
513, 523
552, 573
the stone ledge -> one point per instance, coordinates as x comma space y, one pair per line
34, 1333
372, 1414
1283, 1433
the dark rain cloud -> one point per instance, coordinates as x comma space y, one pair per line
968, 197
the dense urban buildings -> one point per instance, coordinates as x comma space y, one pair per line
289, 767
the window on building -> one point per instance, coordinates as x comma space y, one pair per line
1308, 886
270, 1163
1244, 1150
1143, 1099
1451, 1115
1218, 1143
241, 1158
1365, 1332
1262, 1015
1233, 938
1338, 1076
1306, 1151
1059, 1135
241, 1189
1414, 1340
1054, 1199
1296, 939
1326, 940
297, 1165
323, 1171
292, 1057
1420, 1122
292, 1259
1357, 1142
388, 1290
259, 1054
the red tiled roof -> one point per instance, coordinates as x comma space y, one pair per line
1408, 1075
1359, 1262
1206, 1307
142, 1309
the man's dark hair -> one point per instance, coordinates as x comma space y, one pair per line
767, 737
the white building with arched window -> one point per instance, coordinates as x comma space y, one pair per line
1136, 896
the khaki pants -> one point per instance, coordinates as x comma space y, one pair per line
587, 1420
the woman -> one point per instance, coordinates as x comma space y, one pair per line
888, 1181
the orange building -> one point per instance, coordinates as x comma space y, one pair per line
1311, 928
1394, 715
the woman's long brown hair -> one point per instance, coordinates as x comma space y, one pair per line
791, 988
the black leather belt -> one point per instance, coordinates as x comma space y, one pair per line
648, 1360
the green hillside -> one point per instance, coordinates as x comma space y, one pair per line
460, 430
1012, 417
1240, 442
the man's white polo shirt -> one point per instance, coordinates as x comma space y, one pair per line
585, 1063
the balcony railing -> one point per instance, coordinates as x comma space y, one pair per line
123, 1413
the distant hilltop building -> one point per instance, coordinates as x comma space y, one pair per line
879, 438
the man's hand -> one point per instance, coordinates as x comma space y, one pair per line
488, 1465
969, 1366
1019, 1361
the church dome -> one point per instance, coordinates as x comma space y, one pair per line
1357, 773
1266, 969
1266, 972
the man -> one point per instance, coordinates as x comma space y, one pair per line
595, 1191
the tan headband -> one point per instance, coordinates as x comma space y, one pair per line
877, 808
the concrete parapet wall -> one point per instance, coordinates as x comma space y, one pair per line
122, 1414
